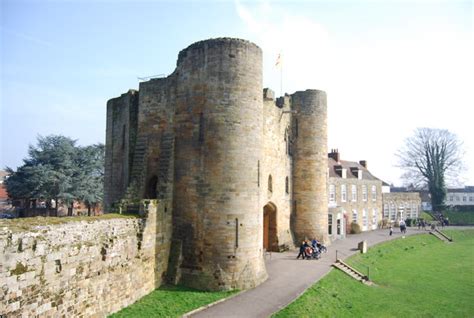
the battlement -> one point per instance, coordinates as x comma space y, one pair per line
218, 43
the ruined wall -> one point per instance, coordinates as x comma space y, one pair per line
310, 165
83, 268
276, 162
121, 133
218, 124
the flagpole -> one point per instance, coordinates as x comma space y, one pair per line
281, 79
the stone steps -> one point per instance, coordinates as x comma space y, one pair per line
440, 235
352, 272
164, 163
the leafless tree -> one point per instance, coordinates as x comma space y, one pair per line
431, 157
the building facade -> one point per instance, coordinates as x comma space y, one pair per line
354, 195
400, 204
460, 197
239, 170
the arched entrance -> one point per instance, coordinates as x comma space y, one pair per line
151, 188
270, 240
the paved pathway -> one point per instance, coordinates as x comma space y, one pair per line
289, 278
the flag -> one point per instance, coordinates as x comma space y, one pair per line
278, 61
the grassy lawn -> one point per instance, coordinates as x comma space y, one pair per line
419, 276
425, 216
170, 301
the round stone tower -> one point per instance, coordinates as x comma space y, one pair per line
218, 125
310, 208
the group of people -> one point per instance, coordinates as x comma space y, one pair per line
403, 227
311, 250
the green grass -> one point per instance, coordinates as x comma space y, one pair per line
426, 216
419, 276
460, 218
170, 301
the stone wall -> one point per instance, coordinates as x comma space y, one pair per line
310, 165
82, 268
277, 163
218, 129
122, 113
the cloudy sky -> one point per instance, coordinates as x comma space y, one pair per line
388, 67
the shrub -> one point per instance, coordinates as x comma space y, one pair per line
355, 228
410, 222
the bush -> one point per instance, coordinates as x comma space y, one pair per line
410, 222
355, 228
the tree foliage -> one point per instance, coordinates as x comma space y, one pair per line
431, 157
57, 169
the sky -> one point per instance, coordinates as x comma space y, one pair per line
388, 67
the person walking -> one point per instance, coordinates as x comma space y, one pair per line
391, 230
302, 248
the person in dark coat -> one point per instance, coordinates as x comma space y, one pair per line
302, 248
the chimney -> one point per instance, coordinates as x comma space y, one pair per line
363, 163
334, 154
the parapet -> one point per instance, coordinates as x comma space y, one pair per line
214, 43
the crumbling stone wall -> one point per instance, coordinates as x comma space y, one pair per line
82, 269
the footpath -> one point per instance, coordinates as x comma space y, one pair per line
288, 277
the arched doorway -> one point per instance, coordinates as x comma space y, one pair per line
151, 188
270, 240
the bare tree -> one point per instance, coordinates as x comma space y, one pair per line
431, 157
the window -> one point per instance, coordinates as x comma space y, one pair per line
375, 213
287, 185
457, 198
343, 193
471, 199
450, 198
385, 211
364, 219
270, 185
354, 216
354, 193
464, 199
364, 193
374, 193
330, 224
332, 193
414, 211
393, 212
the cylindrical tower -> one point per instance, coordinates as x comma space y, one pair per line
218, 125
310, 208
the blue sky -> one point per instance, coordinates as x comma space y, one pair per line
387, 66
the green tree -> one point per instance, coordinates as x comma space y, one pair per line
430, 157
57, 169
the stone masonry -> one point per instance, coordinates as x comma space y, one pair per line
82, 268
239, 170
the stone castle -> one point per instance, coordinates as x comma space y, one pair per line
236, 171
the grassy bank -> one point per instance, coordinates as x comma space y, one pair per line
170, 301
460, 218
419, 276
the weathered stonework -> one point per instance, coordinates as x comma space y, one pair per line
82, 269
240, 173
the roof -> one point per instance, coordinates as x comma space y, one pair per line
467, 189
366, 175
